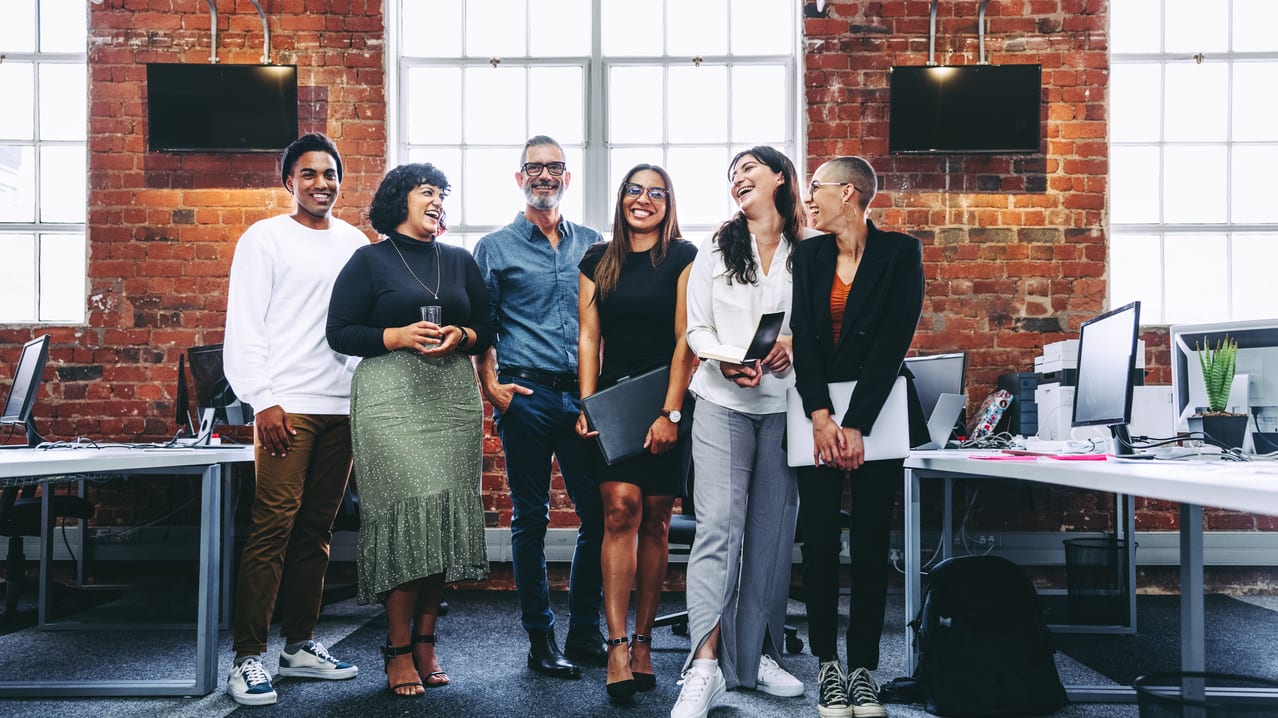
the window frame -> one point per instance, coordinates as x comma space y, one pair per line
1162, 229
597, 195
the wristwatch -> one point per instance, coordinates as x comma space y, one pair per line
674, 415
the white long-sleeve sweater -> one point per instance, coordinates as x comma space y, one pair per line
275, 351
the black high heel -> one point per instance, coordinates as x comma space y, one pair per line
390, 652
643, 681
620, 691
436, 679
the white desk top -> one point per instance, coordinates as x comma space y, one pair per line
1251, 487
24, 463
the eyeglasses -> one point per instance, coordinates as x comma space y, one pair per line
532, 169
812, 188
656, 194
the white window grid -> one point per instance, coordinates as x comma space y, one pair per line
47, 241
590, 160
1166, 245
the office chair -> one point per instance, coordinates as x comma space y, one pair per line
20, 517
683, 530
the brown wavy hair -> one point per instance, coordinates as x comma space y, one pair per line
609, 269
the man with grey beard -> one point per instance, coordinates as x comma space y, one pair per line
530, 270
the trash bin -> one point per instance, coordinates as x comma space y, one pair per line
1096, 581
1161, 695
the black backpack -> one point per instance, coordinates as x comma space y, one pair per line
984, 648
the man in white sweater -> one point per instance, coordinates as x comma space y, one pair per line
277, 359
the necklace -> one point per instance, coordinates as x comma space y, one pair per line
434, 293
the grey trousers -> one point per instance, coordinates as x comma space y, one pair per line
746, 502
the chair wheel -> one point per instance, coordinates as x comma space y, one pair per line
679, 629
443, 608
793, 644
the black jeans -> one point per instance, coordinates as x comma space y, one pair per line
873, 494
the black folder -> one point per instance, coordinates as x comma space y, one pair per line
623, 413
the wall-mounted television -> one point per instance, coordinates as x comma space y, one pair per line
220, 108
959, 109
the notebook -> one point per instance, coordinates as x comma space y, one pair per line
623, 413
889, 437
941, 424
765, 336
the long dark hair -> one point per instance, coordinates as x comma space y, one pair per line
733, 237
609, 269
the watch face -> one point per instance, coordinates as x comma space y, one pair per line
674, 416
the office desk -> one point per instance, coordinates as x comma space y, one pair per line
1251, 487
21, 466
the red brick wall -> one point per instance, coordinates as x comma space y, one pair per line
1015, 245
163, 227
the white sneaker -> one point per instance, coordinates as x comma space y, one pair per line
775, 681
249, 683
314, 661
700, 692
865, 695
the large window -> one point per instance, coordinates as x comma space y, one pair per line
42, 161
1193, 147
681, 84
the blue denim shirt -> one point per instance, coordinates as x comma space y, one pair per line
532, 292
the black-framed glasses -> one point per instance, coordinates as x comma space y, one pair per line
532, 169
656, 194
815, 185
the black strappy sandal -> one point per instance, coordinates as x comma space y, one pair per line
621, 691
426, 679
390, 652
643, 681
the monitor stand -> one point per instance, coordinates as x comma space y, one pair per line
1122, 440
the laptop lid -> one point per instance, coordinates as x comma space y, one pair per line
941, 423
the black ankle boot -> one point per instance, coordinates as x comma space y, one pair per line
586, 646
544, 656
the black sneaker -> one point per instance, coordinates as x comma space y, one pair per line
833, 691
865, 695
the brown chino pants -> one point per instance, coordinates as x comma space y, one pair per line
296, 500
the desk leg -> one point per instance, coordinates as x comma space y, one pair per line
947, 519
46, 554
228, 548
913, 564
206, 641
1193, 653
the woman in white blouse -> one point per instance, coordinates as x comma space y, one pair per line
744, 494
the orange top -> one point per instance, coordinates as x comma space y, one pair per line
838, 301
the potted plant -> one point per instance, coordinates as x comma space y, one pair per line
1220, 426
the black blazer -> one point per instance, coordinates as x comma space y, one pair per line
882, 312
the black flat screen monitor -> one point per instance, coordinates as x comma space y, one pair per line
213, 393
1106, 361
18, 408
936, 375
220, 108
955, 109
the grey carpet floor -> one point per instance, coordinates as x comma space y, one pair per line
481, 646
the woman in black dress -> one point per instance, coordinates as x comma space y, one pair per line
633, 298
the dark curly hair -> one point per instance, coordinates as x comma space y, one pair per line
390, 204
733, 236
313, 142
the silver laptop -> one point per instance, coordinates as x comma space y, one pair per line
941, 424
889, 438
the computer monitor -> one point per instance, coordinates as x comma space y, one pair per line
1106, 361
214, 396
18, 408
1256, 384
936, 375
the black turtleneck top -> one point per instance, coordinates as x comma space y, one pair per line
375, 290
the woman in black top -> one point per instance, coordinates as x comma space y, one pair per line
858, 295
416, 416
633, 297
